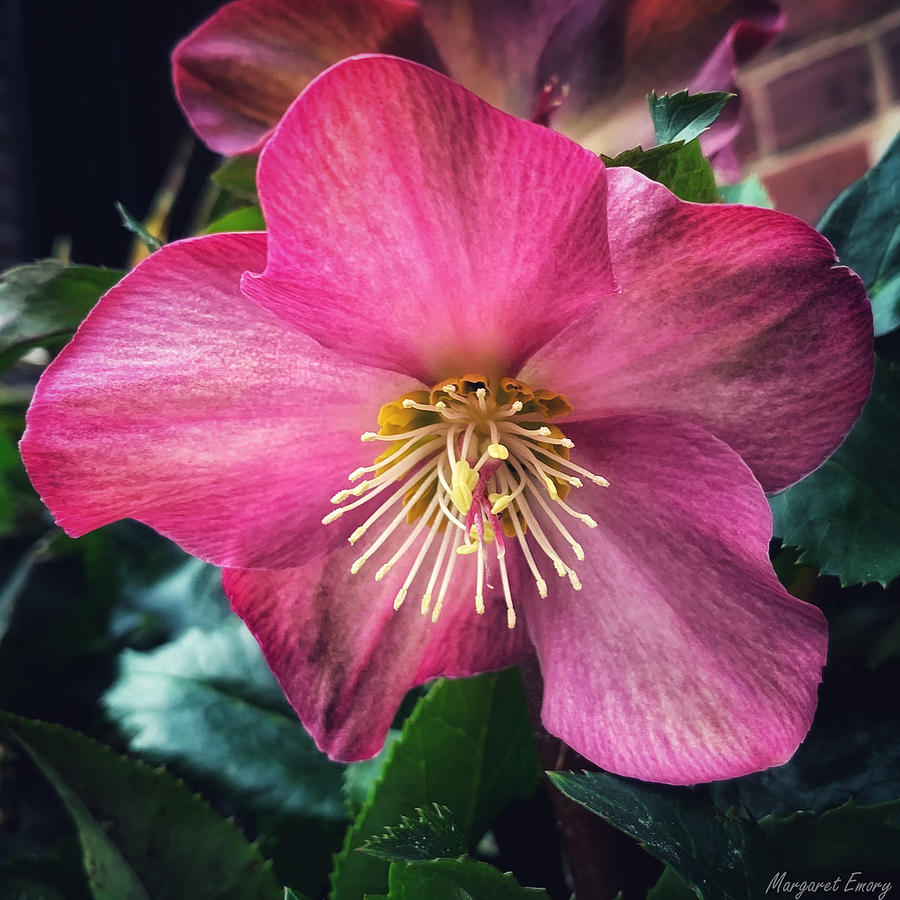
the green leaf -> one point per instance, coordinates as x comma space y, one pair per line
9, 464
749, 192
290, 894
671, 886
247, 218
42, 304
431, 834
151, 242
207, 705
863, 223
863, 840
845, 517
848, 838
682, 168
684, 116
143, 834
468, 746
717, 855
238, 176
360, 777
453, 879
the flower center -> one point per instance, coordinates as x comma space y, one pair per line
478, 465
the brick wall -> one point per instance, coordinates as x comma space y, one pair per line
822, 104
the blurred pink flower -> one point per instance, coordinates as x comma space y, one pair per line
236, 74
514, 326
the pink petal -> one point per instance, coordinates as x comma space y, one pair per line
742, 42
732, 317
184, 405
682, 659
238, 72
431, 233
344, 657
613, 54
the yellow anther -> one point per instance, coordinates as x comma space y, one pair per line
466, 549
398, 600
479, 604
357, 534
576, 583
462, 484
578, 550
550, 484
599, 479
382, 571
426, 602
358, 564
340, 496
334, 514
565, 442
542, 588
408, 404
368, 436
544, 431
510, 617
497, 451
588, 521
356, 474
560, 566
500, 501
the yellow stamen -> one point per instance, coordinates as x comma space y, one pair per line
462, 457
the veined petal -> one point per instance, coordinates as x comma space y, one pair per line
735, 318
184, 405
682, 659
612, 53
344, 657
238, 72
415, 227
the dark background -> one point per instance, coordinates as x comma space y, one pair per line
88, 117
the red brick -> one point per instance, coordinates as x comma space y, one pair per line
811, 19
890, 45
826, 96
805, 189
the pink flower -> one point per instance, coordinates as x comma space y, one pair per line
236, 74
552, 325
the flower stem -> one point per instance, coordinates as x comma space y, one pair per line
601, 860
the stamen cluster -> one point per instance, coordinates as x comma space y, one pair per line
477, 465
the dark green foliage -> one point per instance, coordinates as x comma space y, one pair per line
42, 304
453, 879
430, 834
718, 855
143, 834
683, 116
681, 167
467, 746
845, 517
863, 223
